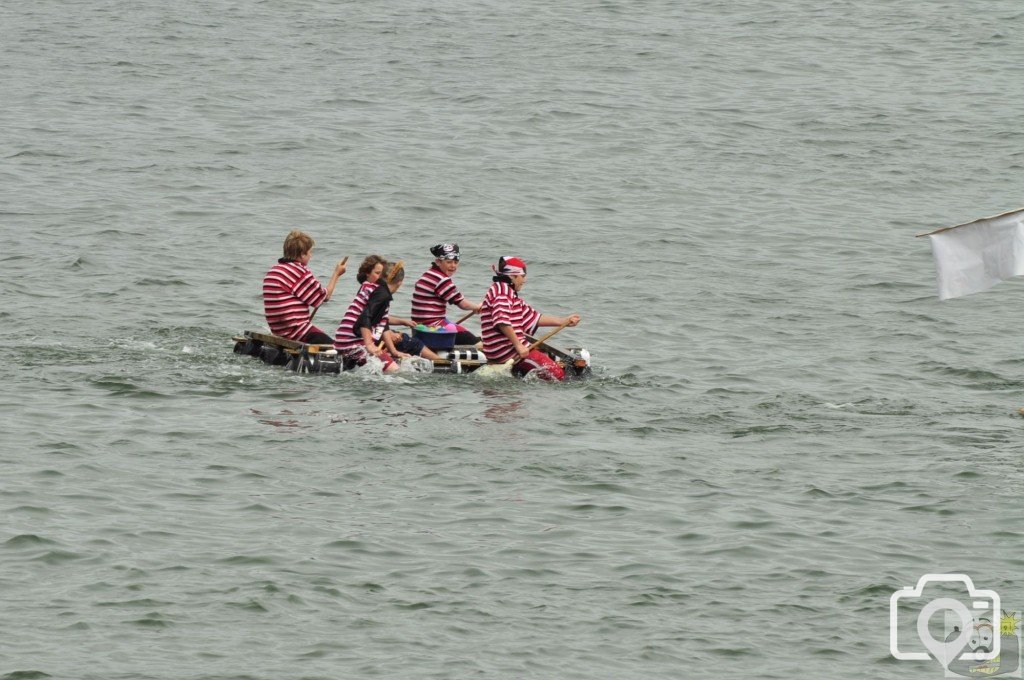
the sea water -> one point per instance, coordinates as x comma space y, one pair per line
784, 424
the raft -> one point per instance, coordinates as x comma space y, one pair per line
300, 357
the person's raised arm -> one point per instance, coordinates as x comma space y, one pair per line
339, 269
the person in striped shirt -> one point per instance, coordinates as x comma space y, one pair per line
290, 289
506, 319
435, 290
364, 332
398, 344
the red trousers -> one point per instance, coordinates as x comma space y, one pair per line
538, 361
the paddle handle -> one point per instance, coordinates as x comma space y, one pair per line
471, 313
344, 260
550, 335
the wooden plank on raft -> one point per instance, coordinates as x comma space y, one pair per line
276, 340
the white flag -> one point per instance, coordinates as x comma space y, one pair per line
975, 256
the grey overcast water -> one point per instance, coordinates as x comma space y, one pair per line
784, 424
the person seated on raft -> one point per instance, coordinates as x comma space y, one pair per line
290, 289
398, 344
435, 290
506, 319
361, 333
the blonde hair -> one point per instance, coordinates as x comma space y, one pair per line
394, 272
297, 244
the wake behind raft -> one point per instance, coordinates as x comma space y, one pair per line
458, 359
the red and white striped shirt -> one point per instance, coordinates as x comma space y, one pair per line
433, 292
348, 337
289, 290
502, 305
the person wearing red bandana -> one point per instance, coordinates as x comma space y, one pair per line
506, 319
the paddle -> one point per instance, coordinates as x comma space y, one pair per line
547, 337
471, 313
343, 261
555, 352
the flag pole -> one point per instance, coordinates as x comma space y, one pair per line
967, 224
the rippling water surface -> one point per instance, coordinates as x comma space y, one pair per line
784, 423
